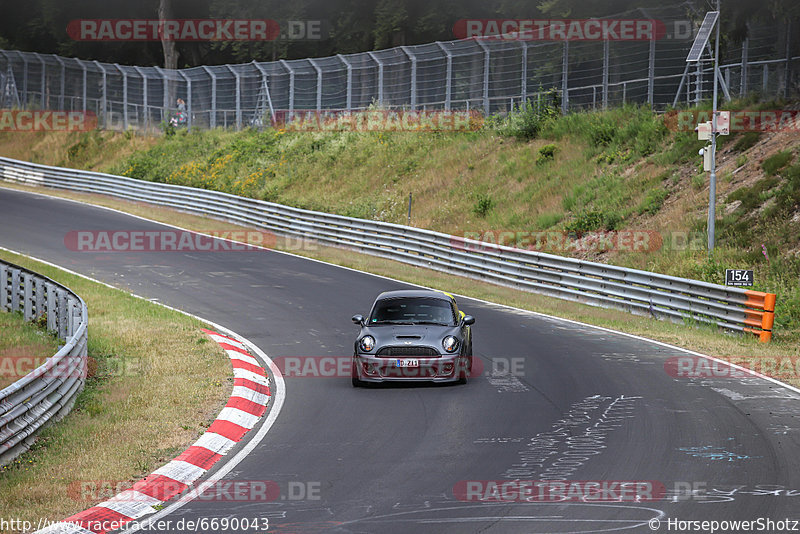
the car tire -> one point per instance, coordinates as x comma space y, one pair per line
357, 383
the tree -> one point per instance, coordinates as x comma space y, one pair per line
168, 45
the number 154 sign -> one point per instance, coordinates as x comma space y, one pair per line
738, 277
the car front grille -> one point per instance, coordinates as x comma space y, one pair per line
407, 352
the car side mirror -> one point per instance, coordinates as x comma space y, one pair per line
468, 320
358, 319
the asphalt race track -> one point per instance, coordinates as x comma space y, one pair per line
579, 404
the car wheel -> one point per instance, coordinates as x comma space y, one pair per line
357, 383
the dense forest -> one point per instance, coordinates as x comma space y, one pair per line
347, 25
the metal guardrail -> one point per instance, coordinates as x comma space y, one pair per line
639, 292
47, 393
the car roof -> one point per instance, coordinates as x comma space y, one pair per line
401, 293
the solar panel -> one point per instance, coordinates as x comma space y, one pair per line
702, 36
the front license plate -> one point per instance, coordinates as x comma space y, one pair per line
407, 363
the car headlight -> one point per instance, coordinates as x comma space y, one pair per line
367, 343
450, 344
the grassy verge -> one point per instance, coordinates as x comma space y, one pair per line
23, 347
706, 340
533, 171
155, 383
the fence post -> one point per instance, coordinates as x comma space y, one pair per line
103, 100
349, 97
144, 97
290, 70
486, 60
264, 77
212, 118
651, 71
238, 96
318, 69
24, 79
786, 69
85, 82
44, 79
375, 58
524, 78
743, 81
413, 87
605, 73
564, 79
165, 85
124, 97
448, 85
63, 81
188, 98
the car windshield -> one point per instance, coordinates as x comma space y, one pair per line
412, 310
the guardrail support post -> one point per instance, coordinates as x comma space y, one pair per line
27, 296
52, 307
4, 288
39, 297
15, 274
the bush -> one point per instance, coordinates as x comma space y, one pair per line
526, 121
589, 221
653, 201
776, 162
546, 153
746, 140
483, 205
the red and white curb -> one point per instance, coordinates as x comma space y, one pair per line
246, 405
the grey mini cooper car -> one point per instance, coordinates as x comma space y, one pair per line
418, 335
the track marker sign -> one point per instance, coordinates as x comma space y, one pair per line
738, 277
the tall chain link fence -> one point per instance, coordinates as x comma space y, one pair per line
489, 75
